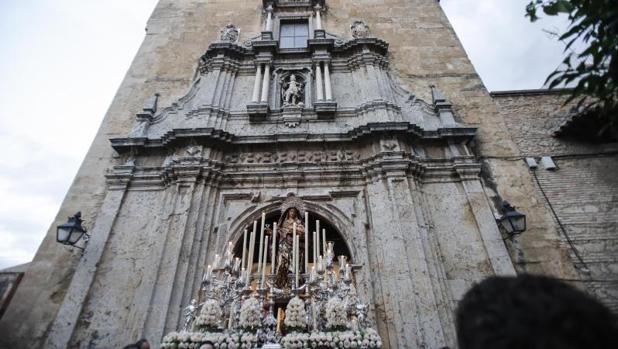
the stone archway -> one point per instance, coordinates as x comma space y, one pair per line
333, 234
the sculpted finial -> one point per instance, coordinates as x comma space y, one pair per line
230, 33
359, 29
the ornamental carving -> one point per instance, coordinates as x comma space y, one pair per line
292, 157
359, 29
230, 33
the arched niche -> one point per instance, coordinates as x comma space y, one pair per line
303, 75
332, 234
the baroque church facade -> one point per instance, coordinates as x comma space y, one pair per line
364, 116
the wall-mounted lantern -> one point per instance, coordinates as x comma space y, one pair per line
72, 231
512, 221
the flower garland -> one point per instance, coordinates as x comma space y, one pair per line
335, 340
194, 340
295, 340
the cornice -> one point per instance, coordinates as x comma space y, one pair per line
209, 134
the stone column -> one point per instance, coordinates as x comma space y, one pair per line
162, 302
327, 86
266, 83
490, 233
410, 319
318, 81
256, 85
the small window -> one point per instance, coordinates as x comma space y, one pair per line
294, 35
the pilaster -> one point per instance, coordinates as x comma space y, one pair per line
65, 323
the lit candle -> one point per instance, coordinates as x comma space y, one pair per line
297, 260
216, 262
294, 247
261, 247
317, 228
244, 250
264, 264
342, 263
324, 242
272, 258
306, 241
208, 272
236, 265
315, 248
229, 254
330, 255
205, 276
251, 252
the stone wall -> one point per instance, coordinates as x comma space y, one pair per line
424, 51
8, 285
583, 190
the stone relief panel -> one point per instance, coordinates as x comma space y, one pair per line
292, 157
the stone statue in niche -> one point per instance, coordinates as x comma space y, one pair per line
359, 29
230, 33
292, 92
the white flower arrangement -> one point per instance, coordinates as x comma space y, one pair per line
248, 340
336, 315
194, 340
295, 314
182, 340
371, 339
250, 313
295, 340
317, 339
210, 315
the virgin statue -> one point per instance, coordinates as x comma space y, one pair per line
285, 243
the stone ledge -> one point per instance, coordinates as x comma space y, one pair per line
325, 109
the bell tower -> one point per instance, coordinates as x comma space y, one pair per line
367, 113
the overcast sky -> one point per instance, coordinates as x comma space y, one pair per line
62, 61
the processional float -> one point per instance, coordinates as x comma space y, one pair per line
240, 304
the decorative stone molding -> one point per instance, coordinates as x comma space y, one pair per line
443, 107
294, 4
144, 118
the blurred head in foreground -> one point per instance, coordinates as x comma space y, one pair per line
532, 312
